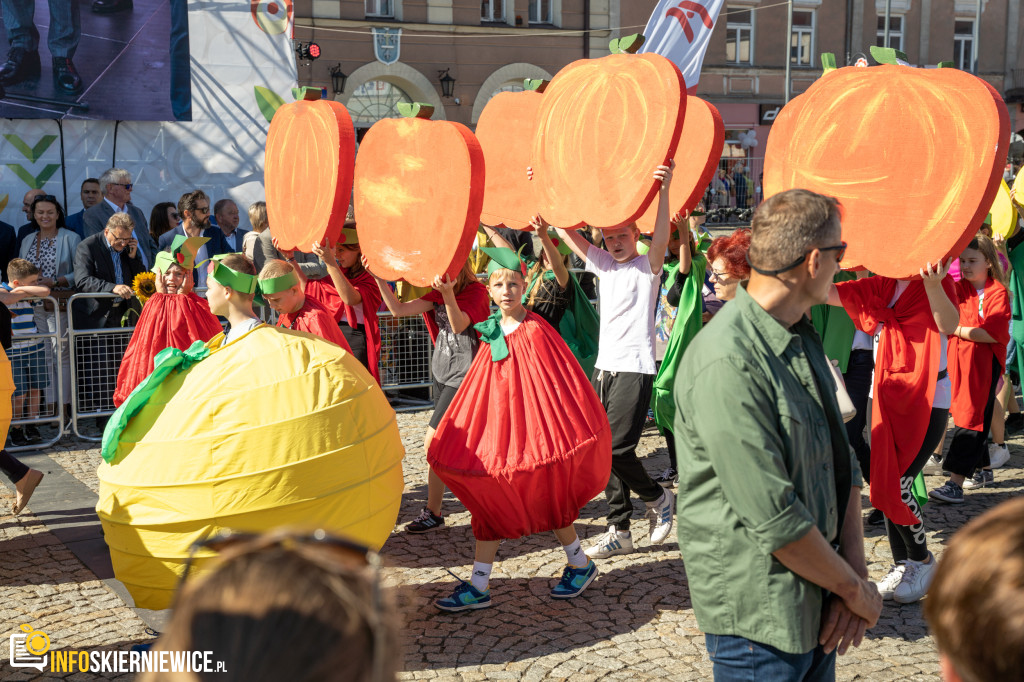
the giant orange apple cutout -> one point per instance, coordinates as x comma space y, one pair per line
914, 155
505, 130
311, 150
419, 188
604, 126
700, 148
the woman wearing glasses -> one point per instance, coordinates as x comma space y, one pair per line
911, 394
51, 248
729, 267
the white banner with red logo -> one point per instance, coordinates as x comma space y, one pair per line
680, 31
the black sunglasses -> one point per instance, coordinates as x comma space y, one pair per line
839, 248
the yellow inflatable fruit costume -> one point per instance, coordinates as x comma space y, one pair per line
281, 428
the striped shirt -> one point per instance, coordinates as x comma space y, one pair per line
23, 323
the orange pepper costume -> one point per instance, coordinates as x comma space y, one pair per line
525, 443
906, 368
970, 363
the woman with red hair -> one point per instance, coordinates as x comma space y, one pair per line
729, 267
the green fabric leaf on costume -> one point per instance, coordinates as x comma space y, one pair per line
919, 490
688, 322
491, 333
166, 361
887, 55
268, 101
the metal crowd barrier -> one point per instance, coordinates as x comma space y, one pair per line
42, 370
95, 360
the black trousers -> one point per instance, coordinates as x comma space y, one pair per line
626, 396
670, 445
356, 341
858, 385
969, 449
909, 542
12, 467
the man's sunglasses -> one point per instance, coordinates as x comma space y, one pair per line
839, 248
127, 185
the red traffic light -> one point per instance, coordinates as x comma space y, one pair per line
307, 51
314, 51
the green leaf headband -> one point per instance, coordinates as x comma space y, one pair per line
183, 252
275, 285
242, 282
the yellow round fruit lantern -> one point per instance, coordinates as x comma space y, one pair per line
279, 428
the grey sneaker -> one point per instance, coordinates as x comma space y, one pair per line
660, 515
611, 543
668, 478
982, 478
949, 492
887, 585
916, 579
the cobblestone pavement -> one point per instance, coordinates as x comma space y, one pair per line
634, 622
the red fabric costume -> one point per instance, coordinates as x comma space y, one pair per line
323, 290
473, 300
906, 369
525, 444
167, 320
315, 318
970, 363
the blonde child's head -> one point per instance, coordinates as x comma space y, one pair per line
288, 299
22, 273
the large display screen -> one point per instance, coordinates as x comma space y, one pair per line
125, 60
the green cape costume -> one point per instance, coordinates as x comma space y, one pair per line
688, 323
580, 325
835, 327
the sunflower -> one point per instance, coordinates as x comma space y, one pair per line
144, 286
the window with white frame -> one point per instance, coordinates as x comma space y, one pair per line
801, 45
492, 10
540, 11
895, 32
963, 44
380, 8
739, 35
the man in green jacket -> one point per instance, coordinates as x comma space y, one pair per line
769, 492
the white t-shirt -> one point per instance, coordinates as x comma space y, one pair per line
943, 396
628, 293
237, 331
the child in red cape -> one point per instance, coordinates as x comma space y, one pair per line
517, 467
172, 317
909, 321
977, 359
280, 288
450, 311
351, 293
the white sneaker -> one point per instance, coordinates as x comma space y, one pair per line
611, 543
660, 515
916, 579
998, 455
887, 585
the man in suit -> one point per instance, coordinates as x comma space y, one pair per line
8, 247
104, 263
91, 196
225, 212
194, 209
116, 185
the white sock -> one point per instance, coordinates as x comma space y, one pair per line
481, 575
574, 554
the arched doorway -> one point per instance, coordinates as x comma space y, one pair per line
374, 100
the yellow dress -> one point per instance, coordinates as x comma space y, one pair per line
281, 428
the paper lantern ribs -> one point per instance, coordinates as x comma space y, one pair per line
697, 156
914, 155
419, 192
280, 428
505, 130
311, 148
604, 126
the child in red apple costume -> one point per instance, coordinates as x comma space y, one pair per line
519, 469
172, 317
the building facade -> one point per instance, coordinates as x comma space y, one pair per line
400, 50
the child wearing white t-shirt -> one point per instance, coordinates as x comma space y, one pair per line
628, 285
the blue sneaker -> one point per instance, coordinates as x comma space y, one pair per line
574, 581
465, 597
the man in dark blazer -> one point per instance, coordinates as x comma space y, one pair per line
116, 186
97, 271
194, 209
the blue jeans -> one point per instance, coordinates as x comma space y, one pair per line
65, 26
738, 659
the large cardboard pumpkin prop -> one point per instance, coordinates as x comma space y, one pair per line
316, 446
311, 149
1004, 213
700, 148
914, 155
604, 127
419, 191
505, 130
6, 392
